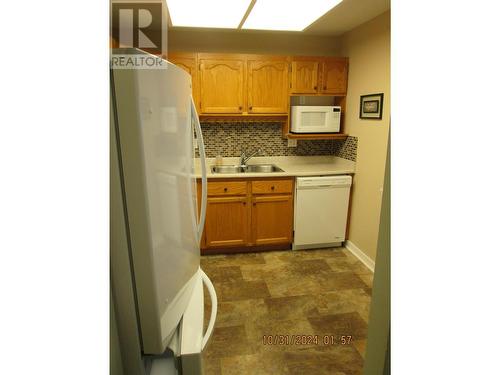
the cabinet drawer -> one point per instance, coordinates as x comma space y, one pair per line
272, 186
221, 188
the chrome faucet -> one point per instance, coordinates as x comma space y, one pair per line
244, 158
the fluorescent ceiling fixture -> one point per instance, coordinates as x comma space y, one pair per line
293, 15
207, 13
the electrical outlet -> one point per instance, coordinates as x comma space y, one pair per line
292, 143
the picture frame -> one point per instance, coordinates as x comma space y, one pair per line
371, 106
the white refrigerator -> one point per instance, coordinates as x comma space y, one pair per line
156, 227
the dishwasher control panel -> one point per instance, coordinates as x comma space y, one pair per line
324, 181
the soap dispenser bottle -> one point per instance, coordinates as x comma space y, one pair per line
218, 159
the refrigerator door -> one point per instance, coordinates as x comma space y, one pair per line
153, 111
192, 339
203, 167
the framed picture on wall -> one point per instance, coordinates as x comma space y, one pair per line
370, 106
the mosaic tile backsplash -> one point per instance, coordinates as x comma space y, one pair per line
347, 149
228, 139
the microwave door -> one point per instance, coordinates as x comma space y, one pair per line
313, 122
315, 119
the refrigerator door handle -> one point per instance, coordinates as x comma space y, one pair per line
213, 314
201, 148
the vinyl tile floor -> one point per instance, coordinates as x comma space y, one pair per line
288, 312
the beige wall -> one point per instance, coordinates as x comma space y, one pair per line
188, 40
368, 49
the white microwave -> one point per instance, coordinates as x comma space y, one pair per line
315, 119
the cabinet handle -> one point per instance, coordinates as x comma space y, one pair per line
255, 204
272, 187
225, 190
315, 87
250, 108
240, 107
324, 87
244, 203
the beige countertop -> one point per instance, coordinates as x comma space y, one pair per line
291, 165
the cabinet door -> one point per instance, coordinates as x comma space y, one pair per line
304, 77
272, 219
334, 76
227, 222
267, 86
221, 84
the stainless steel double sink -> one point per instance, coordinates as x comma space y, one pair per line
256, 168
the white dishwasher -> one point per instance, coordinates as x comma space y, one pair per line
321, 205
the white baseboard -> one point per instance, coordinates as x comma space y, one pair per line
358, 253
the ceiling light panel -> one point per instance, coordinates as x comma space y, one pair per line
294, 15
207, 13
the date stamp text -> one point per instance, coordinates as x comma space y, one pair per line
306, 340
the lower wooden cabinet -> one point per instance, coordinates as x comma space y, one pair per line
248, 213
226, 223
272, 219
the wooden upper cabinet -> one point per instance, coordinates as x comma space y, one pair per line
221, 85
188, 62
248, 84
304, 79
267, 86
334, 76
321, 75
